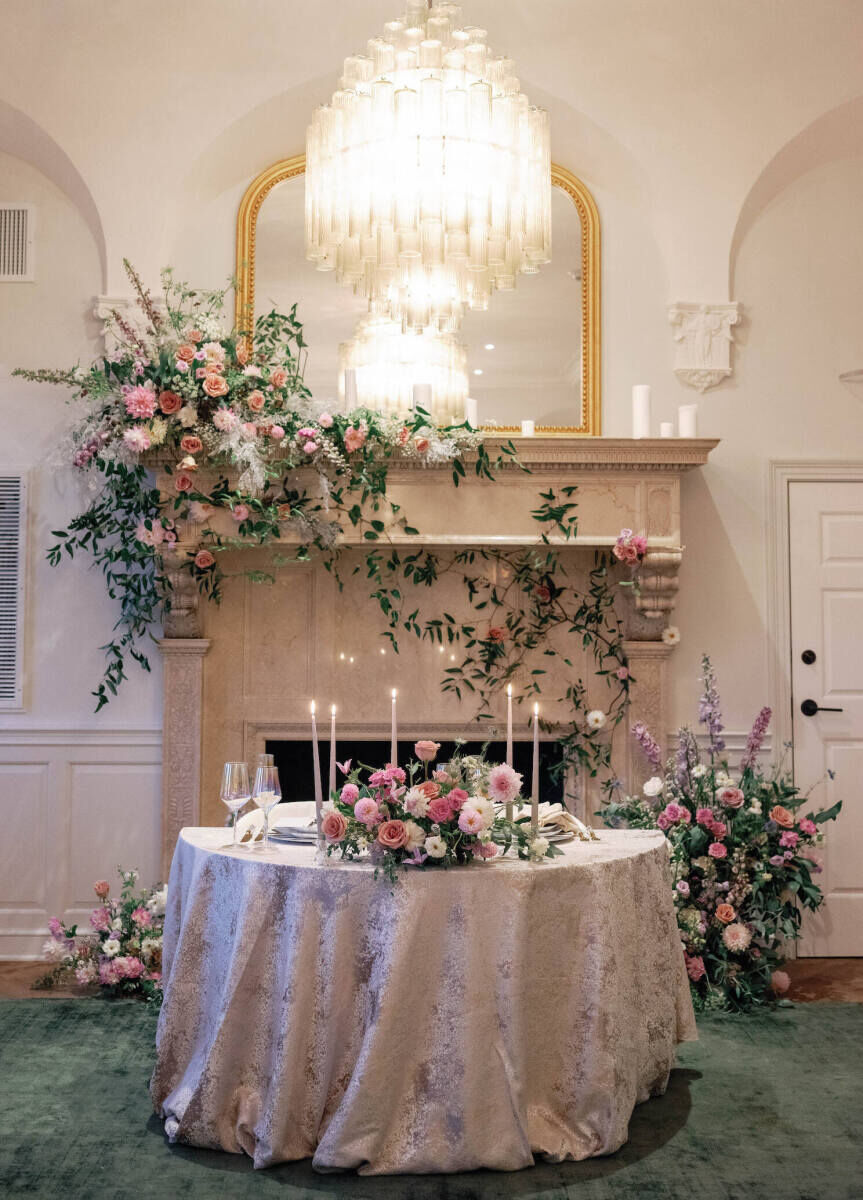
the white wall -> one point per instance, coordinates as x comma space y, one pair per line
722, 143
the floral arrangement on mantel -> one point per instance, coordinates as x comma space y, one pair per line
411, 817
122, 950
229, 420
743, 856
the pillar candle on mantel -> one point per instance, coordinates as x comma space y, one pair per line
641, 410
422, 396
316, 764
509, 740
332, 780
534, 787
394, 735
687, 421
666, 429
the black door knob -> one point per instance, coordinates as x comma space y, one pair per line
810, 707
808, 657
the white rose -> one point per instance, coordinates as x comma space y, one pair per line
653, 786
596, 719
538, 848
188, 416
416, 836
110, 947
435, 847
699, 771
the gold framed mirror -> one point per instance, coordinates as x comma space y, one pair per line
535, 354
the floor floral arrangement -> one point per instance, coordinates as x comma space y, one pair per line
430, 818
743, 856
122, 950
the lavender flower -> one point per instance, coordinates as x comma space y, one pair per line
709, 712
648, 744
756, 737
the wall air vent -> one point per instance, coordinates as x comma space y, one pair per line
16, 243
13, 508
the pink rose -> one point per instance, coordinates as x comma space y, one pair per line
215, 385
183, 481
439, 810
392, 835
695, 968
725, 913
355, 438
704, 816
426, 751
367, 812
808, 827
350, 793
422, 444
256, 401
717, 850
169, 402
240, 513
204, 560
334, 827
101, 887
279, 377
277, 432
194, 335
191, 444
456, 798
186, 352
441, 775
730, 797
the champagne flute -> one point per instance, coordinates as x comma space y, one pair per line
235, 790
266, 794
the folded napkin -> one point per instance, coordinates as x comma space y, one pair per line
555, 816
294, 819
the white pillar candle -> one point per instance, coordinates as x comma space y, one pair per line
534, 789
471, 412
528, 428
641, 411
509, 739
316, 764
687, 421
394, 735
332, 786
422, 395
350, 388
666, 429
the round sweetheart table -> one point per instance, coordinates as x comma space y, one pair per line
464, 1018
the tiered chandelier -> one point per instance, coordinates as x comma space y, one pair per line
428, 175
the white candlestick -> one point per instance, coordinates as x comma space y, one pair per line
641, 411
394, 735
422, 395
316, 763
666, 429
350, 388
332, 786
534, 791
687, 421
471, 412
509, 740
528, 428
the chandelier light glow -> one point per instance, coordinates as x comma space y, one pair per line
428, 175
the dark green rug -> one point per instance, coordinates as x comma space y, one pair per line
765, 1106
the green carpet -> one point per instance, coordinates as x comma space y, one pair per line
765, 1106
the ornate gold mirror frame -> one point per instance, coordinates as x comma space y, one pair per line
591, 425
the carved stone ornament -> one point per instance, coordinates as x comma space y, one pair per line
703, 337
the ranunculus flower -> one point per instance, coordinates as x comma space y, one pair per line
496, 633
170, 402
279, 377
782, 816
215, 385
725, 913
392, 834
366, 811
808, 827
717, 850
439, 810
504, 784
256, 401
191, 444
349, 794
426, 751
730, 797
204, 560
334, 827
183, 481
355, 439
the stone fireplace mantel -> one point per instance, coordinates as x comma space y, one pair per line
218, 678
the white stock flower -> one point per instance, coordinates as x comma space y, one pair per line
435, 847
416, 836
653, 786
110, 947
596, 719
671, 635
538, 848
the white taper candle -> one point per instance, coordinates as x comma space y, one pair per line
316, 764
394, 735
332, 786
534, 789
509, 739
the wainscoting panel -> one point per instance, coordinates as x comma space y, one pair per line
73, 807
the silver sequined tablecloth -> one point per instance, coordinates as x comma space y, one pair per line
465, 1018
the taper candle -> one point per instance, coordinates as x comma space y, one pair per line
350, 389
641, 410
394, 735
534, 789
316, 764
332, 786
509, 740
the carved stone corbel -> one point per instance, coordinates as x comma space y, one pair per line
703, 337
658, 582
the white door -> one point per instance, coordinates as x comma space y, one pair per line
826, 530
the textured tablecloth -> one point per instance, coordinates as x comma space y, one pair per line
464, 1018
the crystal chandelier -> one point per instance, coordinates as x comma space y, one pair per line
428, 175
388, 363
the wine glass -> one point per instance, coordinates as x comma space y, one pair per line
266, 794
235, 789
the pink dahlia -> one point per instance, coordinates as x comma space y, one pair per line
504, 784
141, 401
736, 937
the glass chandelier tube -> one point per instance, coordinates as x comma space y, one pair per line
389, 362
428, 175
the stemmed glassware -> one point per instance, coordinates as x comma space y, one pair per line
266, 794
235, 791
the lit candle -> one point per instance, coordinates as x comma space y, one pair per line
316, 762
394, 735
534, 791
332, 786
687, 421
641, 410
509, 739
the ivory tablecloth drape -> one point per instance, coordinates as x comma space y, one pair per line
463, 1018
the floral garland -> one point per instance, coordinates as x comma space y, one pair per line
742, 853
405, 818
123, 951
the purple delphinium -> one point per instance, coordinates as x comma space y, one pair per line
755, 739
648, 744
687, 756
709, 712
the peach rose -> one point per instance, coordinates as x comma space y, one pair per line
279, 377
421, 444
730, 797
429, 789
725, 913
183, 481
782, 816
355, 438
194, 335
101, 887
191, 444
402, 436
334, 826
204, 560
215, 385
496, 634
170, 402
426, 751
186, 352
392, 835
256, 401
242, 353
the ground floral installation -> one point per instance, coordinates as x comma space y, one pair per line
743, 856
229, 417
122, 950
420, 817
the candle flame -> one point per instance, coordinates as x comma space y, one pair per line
394, 693
509, 689
332, 710
313, 708
536, 710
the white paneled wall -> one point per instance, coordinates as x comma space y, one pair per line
74, 805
